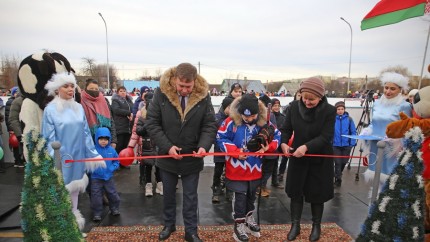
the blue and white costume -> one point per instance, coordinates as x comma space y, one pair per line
385, 111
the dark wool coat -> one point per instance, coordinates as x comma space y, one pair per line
168, 126
311, 177
121, 109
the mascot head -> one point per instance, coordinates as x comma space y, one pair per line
422, 102
36, 70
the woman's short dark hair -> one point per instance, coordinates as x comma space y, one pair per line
121, 87
91, 81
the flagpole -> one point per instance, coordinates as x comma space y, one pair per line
424, 59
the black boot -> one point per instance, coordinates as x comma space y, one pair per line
317, 212
296, 208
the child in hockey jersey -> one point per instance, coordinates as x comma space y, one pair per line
243, 173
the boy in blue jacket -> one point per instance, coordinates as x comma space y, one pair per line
344, 125
101, 179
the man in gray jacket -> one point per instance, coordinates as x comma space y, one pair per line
181, 120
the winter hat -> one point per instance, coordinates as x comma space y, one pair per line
234, 86
248, 105
59, 80
275, 101
143, 89
15, 89
226, 102
340, 104
313, 85
395, 78
266, 100
148, 98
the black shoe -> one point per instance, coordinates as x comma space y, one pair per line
192, 238
166, 232
97, 218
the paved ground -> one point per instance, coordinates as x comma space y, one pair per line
348, 208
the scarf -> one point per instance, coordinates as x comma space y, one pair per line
310, 114
96, 110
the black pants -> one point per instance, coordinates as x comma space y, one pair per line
218, 170
340, 163
146, 173
267, 167
122, 140
283, 165
189, 201
243, 201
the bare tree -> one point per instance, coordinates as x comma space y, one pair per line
9, 71
89, 66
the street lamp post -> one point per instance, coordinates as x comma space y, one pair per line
350, 54
107, 54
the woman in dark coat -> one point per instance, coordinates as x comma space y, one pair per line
309, 179
122, 109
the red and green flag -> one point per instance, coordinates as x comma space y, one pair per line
388, 12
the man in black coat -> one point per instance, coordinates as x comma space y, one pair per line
181, 120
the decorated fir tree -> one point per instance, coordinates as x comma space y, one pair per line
397, 214
46, 207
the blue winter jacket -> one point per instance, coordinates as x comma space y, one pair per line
106, 152
344, 125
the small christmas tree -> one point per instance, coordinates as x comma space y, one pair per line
397, 215
45, 203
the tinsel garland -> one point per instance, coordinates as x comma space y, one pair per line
397, 214
45, 203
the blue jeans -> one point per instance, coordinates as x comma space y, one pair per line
97, 188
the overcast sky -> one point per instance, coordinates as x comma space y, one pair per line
265, 40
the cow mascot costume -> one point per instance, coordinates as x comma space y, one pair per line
421, 119
34, 73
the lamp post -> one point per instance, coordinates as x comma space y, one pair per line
350, 54
107, 54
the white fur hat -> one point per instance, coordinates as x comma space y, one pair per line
59, 80
395, 78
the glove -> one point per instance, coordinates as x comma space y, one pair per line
268, 132
255, 143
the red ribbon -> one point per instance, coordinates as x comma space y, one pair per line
208, 154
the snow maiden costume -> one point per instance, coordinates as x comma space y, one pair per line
385, 111
64, 121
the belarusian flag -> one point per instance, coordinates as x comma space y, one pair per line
392, 11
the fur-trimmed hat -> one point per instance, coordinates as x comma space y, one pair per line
59, 80
313, 85
248, 105
395, 78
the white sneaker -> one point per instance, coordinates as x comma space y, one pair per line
159, 188
148, 190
